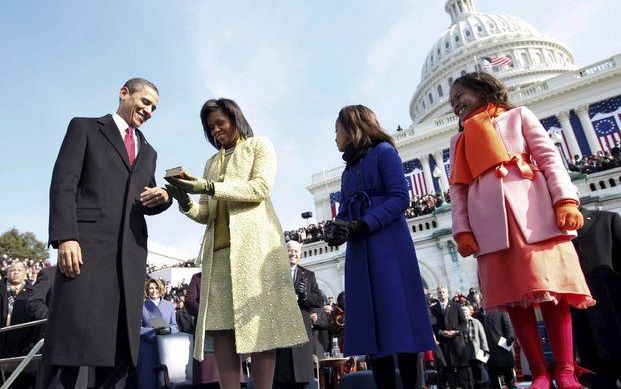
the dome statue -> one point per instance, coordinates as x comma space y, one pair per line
504, 45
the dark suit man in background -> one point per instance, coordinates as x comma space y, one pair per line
103, 184
294, 366
501, 362
450, 328
320, 321
597, 330
39, 297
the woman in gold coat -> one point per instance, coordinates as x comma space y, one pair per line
247, 301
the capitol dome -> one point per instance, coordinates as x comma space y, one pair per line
474, 38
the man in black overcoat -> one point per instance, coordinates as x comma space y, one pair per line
501, 362
597, 330
103, 185
39, 293
450, 328
320, 322
294, 366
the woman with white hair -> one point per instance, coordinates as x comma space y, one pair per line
14, 298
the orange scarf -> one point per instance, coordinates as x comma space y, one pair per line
479, 148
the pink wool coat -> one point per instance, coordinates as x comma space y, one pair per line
480, 208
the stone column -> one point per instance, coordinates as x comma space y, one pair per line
452, 265
583, 114
438, 155
563, 118
427, 173
340, 268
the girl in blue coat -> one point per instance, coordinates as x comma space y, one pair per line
386, 309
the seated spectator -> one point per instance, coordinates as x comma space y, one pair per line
602, 160
158, 318
14, 298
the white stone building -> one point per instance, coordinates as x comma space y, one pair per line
579, 106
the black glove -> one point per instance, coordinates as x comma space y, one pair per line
163, 331
510, 341
338, 232
182, 197
300, 289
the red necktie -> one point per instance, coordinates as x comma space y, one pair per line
130, 145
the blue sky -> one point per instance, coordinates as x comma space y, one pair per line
291, 65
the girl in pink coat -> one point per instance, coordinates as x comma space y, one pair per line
514, 207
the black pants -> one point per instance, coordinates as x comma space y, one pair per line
460, 376
496, 372
477, 373
291, 385
385, 375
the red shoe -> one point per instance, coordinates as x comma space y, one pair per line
543, 381
565, 378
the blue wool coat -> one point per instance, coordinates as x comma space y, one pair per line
148, 355
386, 309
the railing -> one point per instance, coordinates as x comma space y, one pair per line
25, 360
596, 68
318, 248
446, 120
327, 174
526, 93
599, 182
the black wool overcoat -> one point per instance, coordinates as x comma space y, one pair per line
95, 199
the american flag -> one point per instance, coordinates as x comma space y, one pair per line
564, 148
414, 177
607, 131
446, 156
605, 106
335, 200
498, 60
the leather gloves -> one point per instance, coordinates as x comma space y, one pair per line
182, 197
568, 216
466, 244
338, 232
301, 290
163, 331
191, 184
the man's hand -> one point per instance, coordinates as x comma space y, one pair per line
314, 317
70, 258
152, 197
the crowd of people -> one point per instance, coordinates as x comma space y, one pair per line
426, 204
601, 161
474, 347
153, 267
310, 234
253, 303
32, 267
419, 205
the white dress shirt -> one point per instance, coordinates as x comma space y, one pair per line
122, 126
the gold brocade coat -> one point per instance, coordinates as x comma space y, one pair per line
265, 306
